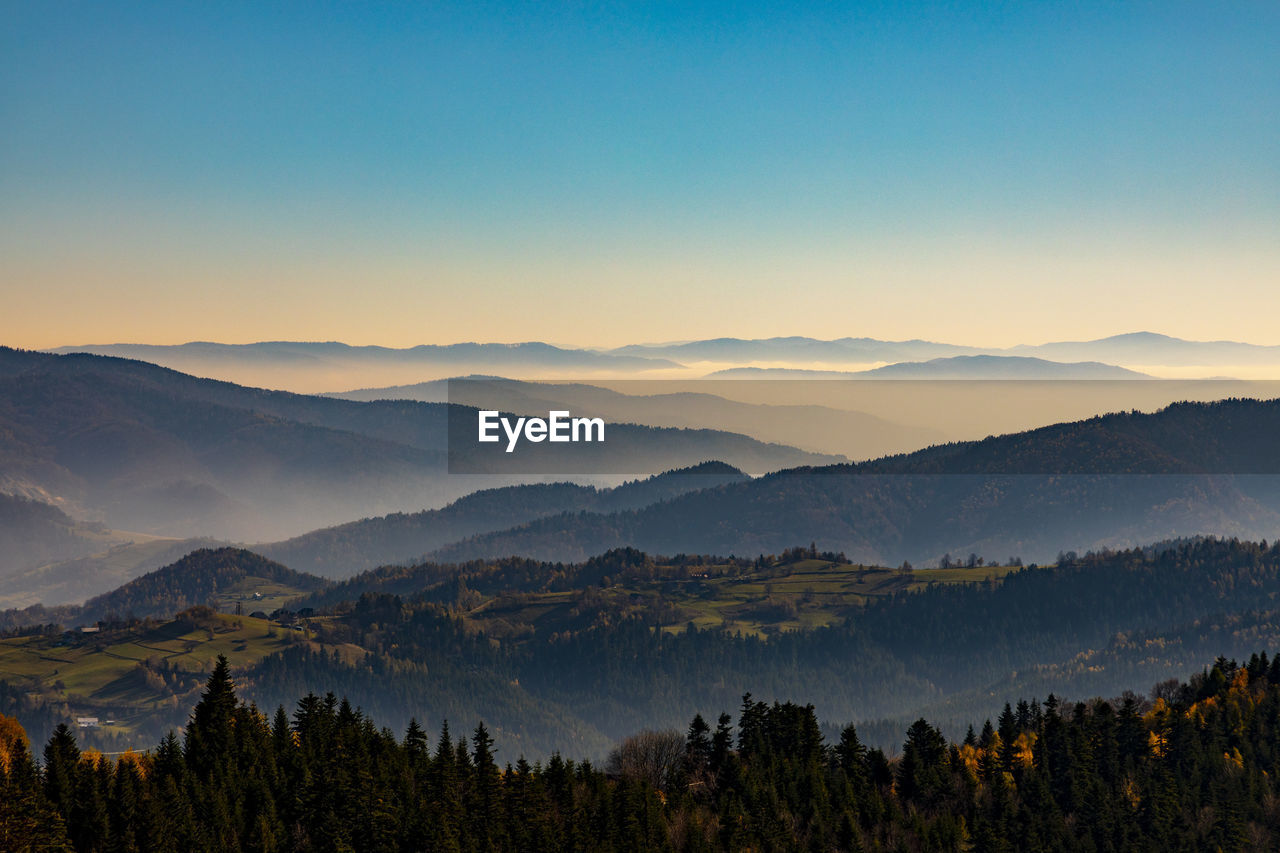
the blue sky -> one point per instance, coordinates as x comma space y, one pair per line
997, 172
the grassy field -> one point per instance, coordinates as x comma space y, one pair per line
800, 595
126, 675
923, 577
86, 664
255, 594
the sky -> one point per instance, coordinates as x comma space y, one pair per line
602, 174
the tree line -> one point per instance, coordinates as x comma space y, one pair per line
1191, 768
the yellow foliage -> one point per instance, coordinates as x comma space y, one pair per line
970, 756
11, 729
91, 757
141, 763
1158, 742
1158, 714
13, 738
1022, 748
1234, 758
1131, 792
1197, 710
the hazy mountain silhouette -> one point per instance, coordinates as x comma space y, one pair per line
32, 533
1152, 348
1109, 480
798, 349
141, 447
855, 434
1144, 348
531, 353
322, 366
73, 580
951, 367
145, 448
402, 538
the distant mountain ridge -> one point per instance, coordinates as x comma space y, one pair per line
1153, 348
151, 449
314, 367
797, 348
950, 367
529, 352
310, 367
1142, 348
1106, 481
403, 538
688, 405
76, 579
140, 447
33, 532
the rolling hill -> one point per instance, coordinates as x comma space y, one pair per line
207, 576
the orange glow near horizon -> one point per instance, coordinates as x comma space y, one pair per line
943, 291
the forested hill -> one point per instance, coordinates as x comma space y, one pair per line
1111, 481
196, 579
571, 656
1196, 768
1234, 436
405, 538
582, 636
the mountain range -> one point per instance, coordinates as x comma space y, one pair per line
404, 538
106, 451
950, 367
1109, 481
661, 403
311, 367
324, 366
97, 447
1134, 348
